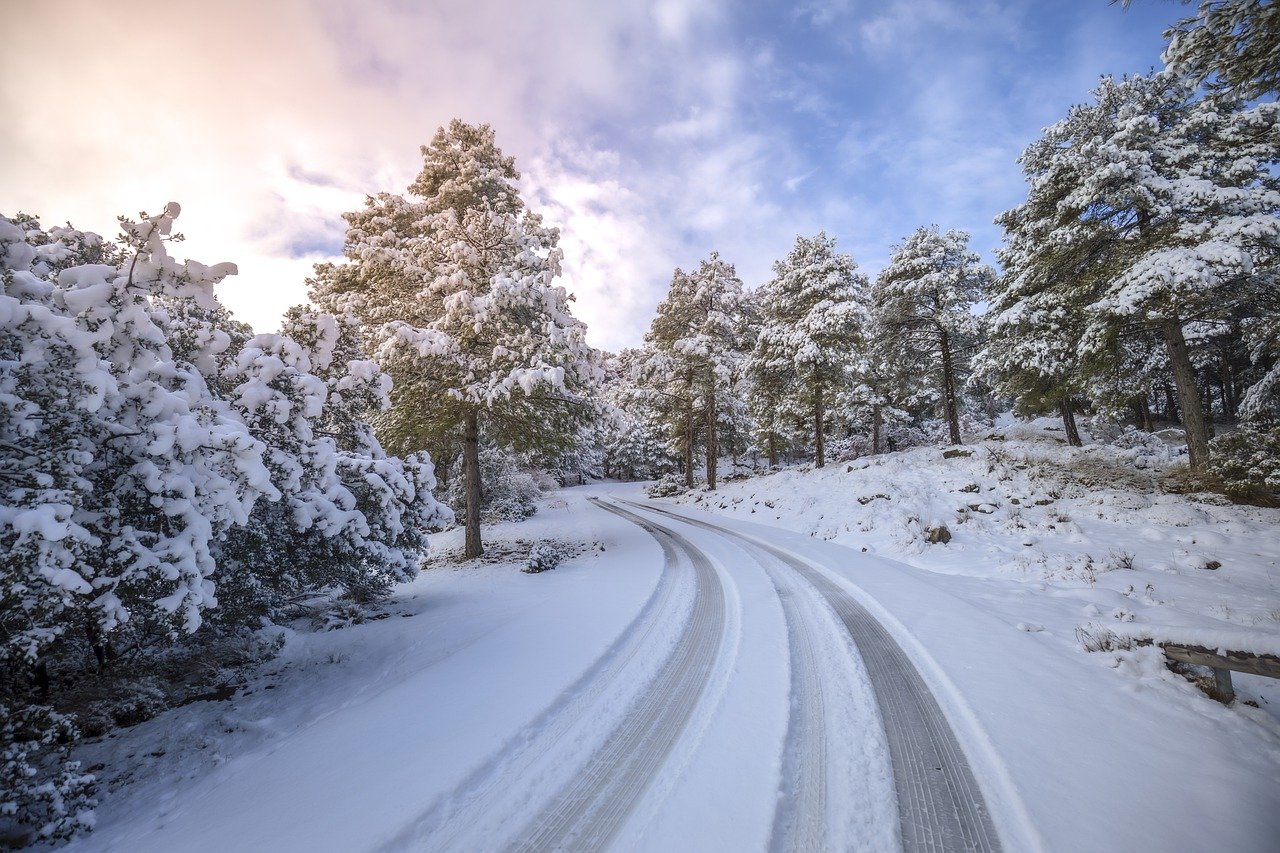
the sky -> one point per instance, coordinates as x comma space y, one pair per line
651, 133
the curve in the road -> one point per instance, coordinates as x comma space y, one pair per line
940, 806
589, 811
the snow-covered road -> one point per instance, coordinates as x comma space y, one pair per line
690, 683
940, 804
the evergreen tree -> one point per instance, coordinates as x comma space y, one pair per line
1233, 44
811, 338
630, 430
697, 354
922, 302
455, 287
1164, 208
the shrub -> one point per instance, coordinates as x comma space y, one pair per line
668, 486
1248, 460
544, 556
39, 786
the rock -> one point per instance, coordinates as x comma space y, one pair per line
937, 534
954, 452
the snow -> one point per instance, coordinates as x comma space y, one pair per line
454, 720
351, 735
994, 616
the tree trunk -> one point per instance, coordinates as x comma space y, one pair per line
1069, 422
773, 450
688, 444
471, 479
1184, 377
949, 390
1170, 407
819, 446
1229, 401
40, 674
877, 428
1206, 400
713, 448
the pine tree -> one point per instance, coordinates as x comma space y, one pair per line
1233, 44
811, 340
696, 343
922, 302
456, 291
1165, 208
1035, 323
630, 429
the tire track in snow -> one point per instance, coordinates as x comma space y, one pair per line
940, 806
589, 811
800, 820
674, 661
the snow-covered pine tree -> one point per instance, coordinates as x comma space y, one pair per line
697, 342
1035, 322
1231, 44
349, 517
811, 340
1170, 199
455, 287
119, 468
922, 303
630, 428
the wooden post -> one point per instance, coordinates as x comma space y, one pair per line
1222, 689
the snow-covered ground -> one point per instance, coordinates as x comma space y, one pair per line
1048, 537
454, 721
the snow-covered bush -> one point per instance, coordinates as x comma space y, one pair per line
1248, 460
39, 786
160, 464
669, 485
510, 488
543, 557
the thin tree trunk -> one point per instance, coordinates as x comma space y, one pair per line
1069, 422
713, 448
949, 390
877, 428
819, 446
1171, 413
773, 450
471, 479
1229, 401
1184, 378
688, 444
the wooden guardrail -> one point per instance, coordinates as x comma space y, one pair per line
1223, 662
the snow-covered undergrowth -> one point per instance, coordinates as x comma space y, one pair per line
1048, 536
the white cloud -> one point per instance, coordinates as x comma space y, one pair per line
267, 120
651, 132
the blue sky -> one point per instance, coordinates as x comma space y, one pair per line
650, 132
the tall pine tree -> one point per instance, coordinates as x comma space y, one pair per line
811, 338
923, 301
455, 286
